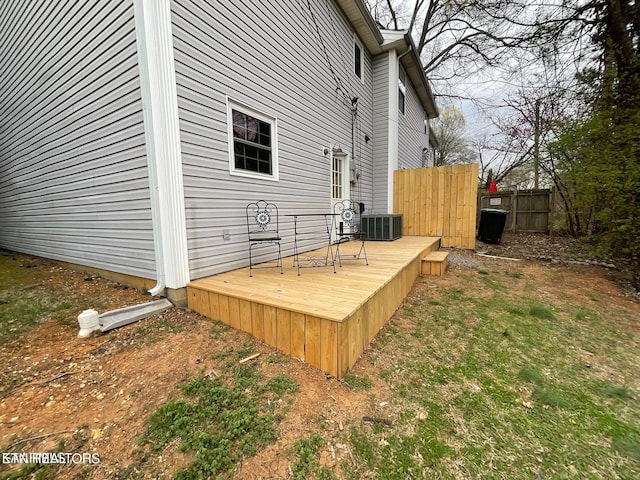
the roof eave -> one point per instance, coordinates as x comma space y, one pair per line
402, 42
413, 66
370, 35
363, 23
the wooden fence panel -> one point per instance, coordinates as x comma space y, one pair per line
439, 202
471, 189
529, 210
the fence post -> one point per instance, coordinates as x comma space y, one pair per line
514, 209
552, 210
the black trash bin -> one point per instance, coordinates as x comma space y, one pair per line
491, 225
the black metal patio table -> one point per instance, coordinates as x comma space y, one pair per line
312, 227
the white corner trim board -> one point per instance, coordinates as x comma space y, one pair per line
162, 135
392, 159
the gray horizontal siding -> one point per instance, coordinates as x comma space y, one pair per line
73, 168
411, 135
381, 125
264, 54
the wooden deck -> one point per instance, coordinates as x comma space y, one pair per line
323, 318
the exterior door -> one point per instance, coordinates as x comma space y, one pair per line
340, 181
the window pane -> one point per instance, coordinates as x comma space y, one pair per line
239, 156
239, 125
252, 129
264, 161
264, 167
246, 127
265, 134
252, 143
357, 60
336, 177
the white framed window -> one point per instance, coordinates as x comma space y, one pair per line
337, 172
253, 142
402, 89
358, 59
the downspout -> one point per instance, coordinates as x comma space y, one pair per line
405, 53
352, 166
162, 134
160, 286
147, 113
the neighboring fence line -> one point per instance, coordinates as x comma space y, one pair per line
529, 210
439, 202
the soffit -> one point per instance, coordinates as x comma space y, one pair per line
363, 23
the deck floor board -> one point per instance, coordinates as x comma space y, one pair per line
318, 291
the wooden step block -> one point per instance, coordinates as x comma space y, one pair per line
435, 263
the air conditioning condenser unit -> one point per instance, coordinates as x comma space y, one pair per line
386, 227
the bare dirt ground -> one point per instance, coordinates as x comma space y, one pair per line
102, 389
535, 246
559, 249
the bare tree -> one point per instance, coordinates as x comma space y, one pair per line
500, 155
391, 14
516, 152
459, 38
452, 147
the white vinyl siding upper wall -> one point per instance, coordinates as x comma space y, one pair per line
381, 125
411, 134
265, 55
73, 176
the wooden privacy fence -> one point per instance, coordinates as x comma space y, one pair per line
529, 210
439, 202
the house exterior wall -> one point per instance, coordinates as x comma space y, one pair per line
381, 125
73, 172
266, 56
79, 108
412, 138
399, 138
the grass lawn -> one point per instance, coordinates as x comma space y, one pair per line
25, 299
496, 376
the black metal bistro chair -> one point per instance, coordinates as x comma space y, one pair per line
263, 228
348, 227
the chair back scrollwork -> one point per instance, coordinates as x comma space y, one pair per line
263, 228
347, 215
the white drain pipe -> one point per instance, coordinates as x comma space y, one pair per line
162, 137
90, 321
125, 316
